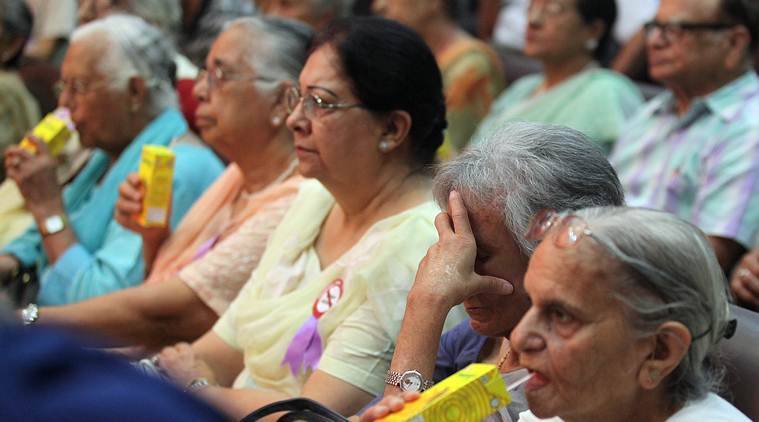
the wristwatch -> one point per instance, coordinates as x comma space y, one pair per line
52, 225
408, 381
198, 384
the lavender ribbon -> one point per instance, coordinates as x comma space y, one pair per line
305, 348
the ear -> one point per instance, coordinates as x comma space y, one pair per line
279, 111
138, 93
596, 30
668, 347
738, 44
397, 127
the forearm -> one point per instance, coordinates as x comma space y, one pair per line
58, 243
417, 344
150, 315
150, 248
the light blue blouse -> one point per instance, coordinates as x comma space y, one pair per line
108, 257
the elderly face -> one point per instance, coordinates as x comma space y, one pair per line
556, 31
235, 111
575, 337
305, 11
334, 145
689, 58
100, 112
499, 256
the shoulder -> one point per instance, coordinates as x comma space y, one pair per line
710, 408
613, 81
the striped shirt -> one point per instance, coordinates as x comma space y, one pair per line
702, 166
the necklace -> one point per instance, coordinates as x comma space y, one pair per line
504, 359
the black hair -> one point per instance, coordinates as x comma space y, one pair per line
746, 13
16, 22
391, 68
604, 11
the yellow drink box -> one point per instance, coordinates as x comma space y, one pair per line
55, 130
469, 395
156, 173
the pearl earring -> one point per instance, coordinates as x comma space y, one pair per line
276, 120
385, 146
591, 44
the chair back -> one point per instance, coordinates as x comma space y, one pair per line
741, 355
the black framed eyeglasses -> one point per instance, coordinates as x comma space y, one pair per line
314, 106
671, 31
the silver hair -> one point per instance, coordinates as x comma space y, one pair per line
165, 14
134, 48
670, 273
522, 168
284, 43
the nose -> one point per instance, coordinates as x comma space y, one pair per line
200, 89
526, 338
65, 99
297, 121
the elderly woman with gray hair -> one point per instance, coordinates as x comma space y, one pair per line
490, 192
116, 80
627, 308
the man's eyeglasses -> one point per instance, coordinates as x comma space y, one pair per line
218, 75
314, 106
673, 31
77, 87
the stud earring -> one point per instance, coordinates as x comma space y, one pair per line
276, 121
385, 146
591, 44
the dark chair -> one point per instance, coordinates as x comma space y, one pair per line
741, 354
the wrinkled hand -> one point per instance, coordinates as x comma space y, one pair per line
446, 273
129, 206
35, 175
389, 404
745, 280
181, 364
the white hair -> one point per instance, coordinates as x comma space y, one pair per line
165, 14
669, 273
284, 45
134, 48
522, 168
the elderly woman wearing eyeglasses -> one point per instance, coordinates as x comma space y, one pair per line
116, 80
319, 315
628, 306
196, 271
490, 194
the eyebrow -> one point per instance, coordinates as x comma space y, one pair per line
556, 303
327, 90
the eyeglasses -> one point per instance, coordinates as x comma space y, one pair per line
217, 75
77, 87
571, 229
673, 31
550, 8
314, 106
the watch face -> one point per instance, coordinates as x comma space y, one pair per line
411, 381
54, 224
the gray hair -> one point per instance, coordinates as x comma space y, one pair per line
134, 48
522, 168
165, 14
284, 45
671, 274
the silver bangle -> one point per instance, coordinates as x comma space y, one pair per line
30, 314
197, 384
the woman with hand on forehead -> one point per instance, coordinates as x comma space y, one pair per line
319, 315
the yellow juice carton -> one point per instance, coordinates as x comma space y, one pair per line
156, 172
55, 130
471, 394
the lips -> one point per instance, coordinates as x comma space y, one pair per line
537, 381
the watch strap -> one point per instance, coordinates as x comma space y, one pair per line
53, 224
394, 378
